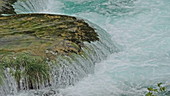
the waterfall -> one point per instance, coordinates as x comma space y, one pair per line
140, 32
73, 68
37, 6
65, 70
143, 36
8, 85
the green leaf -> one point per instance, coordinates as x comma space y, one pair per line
155, 90
162, 89
150, 89
159, 84
149, 94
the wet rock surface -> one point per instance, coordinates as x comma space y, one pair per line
30, 41
6, 7
43, 34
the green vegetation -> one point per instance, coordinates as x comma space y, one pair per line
26, 68
1, 74
29, 41
155, 91
37, 33
6, 7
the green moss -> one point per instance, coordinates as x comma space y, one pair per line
1, 74
27, 32
6, 7
24, 66
45, 37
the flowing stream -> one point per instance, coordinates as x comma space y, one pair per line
141, 30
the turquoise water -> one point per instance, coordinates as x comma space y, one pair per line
141, 30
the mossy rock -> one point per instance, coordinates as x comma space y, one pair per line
42, 33
31, 70
40, 38
6, 7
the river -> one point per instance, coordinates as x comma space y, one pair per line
141, 31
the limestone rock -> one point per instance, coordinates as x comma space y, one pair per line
27, 41
43, 34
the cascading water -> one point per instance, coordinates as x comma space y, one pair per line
65, 70
141, 28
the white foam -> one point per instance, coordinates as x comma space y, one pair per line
143, 36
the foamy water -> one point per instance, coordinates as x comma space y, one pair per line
141, 30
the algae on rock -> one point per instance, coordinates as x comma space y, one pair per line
30, 41
31, 70
42, 32
6, 7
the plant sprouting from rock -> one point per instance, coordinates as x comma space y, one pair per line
29, 71
154, 91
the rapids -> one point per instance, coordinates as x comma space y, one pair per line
141, 30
